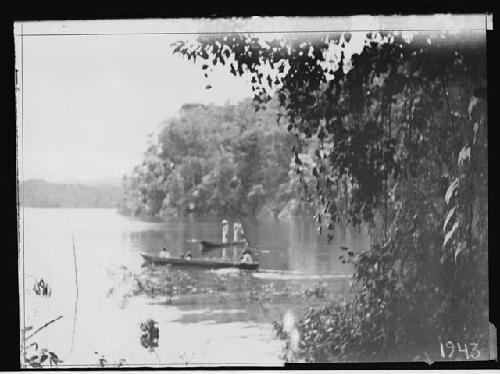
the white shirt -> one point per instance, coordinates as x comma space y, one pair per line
236, 232
225, 232
247, 258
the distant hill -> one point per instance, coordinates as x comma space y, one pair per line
40, 193
114, 181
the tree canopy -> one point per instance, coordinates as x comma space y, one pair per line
219, 160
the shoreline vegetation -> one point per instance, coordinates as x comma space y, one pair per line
216, 160
178, 287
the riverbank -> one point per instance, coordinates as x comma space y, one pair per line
288, 209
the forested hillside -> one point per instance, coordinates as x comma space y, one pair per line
40, 193
215, 160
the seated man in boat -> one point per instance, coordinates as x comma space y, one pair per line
188, 256
164, 253
246, 256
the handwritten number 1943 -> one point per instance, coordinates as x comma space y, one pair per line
454, 350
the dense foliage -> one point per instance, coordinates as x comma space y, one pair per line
401, 142
213, 160
43, 194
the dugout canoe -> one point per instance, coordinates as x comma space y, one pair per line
207, 246
198, 263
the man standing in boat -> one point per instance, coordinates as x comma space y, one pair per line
225, 236
238, 235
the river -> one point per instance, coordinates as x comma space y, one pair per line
219, 328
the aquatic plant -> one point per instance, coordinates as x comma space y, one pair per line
38, 357
42, 288
103, 361
152, 282
32, 354
220, 284
150, 334
184, 283
318, 290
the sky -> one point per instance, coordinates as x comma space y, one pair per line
90, 101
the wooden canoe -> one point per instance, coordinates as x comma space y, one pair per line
199, 263
208, 246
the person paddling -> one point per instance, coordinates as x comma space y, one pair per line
246, 256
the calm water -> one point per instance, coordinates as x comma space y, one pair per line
203, 329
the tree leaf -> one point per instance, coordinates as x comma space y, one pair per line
297, 159
472, 104
463, 155
449, 234
448, 216
460, 248
451, 188
475, 128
